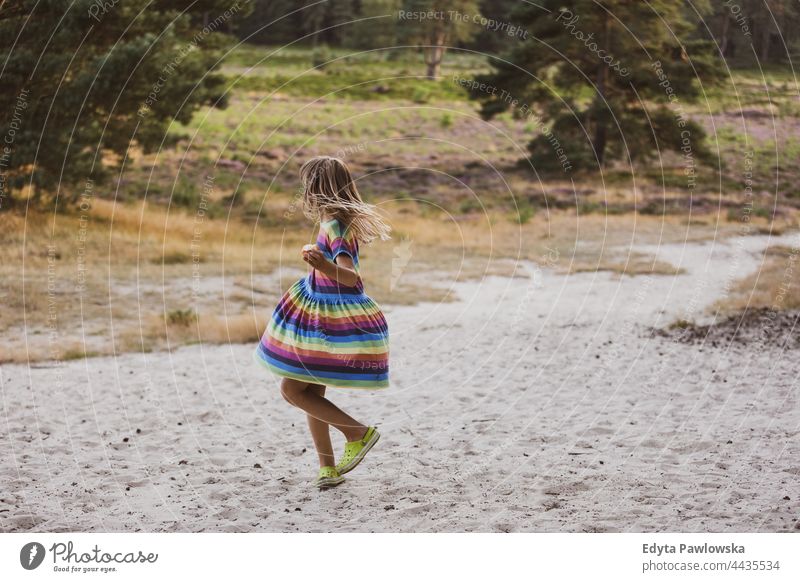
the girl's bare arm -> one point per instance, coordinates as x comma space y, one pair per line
343, 270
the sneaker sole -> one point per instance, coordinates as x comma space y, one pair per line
329, 482
360, 457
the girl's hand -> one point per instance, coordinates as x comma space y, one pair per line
343, 270
314, 257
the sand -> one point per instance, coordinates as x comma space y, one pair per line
541, 402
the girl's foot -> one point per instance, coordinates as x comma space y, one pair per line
355, 451
328, 477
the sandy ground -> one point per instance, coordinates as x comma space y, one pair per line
541, 402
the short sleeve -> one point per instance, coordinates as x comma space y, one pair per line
340, 243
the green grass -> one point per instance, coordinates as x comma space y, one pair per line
353, 84
78, 354
343, 74
377, 111
748, 88
251, 124
296, 58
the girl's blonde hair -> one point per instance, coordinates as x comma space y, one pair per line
328, 188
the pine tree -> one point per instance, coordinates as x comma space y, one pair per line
748, 31
377, 27
274, 22
773, 23
85, 80
494, 41
605, 79
445, 23
340, 13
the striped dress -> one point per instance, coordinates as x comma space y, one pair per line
326, 333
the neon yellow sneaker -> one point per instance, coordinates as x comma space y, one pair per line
355, 451
328, 477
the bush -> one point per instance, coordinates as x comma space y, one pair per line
469, 205
185, 194
182, 317
524, 213
421, 95
175, 258
320, 57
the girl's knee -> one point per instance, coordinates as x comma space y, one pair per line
317, 389
288, 394
292, 391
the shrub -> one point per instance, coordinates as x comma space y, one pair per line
421, 95
524, 213
182, 317
320, 57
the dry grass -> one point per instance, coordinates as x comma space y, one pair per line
144, 264
158, 333
139, 262
774, 286
635, 264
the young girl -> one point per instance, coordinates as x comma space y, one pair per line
325, 331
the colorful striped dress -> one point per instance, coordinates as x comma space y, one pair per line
326, 333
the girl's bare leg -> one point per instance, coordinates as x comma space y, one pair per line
297, 393
321, 432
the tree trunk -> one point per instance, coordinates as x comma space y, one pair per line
600, 131
433, 71
765, 38
726, 26
600, 138
434, 54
